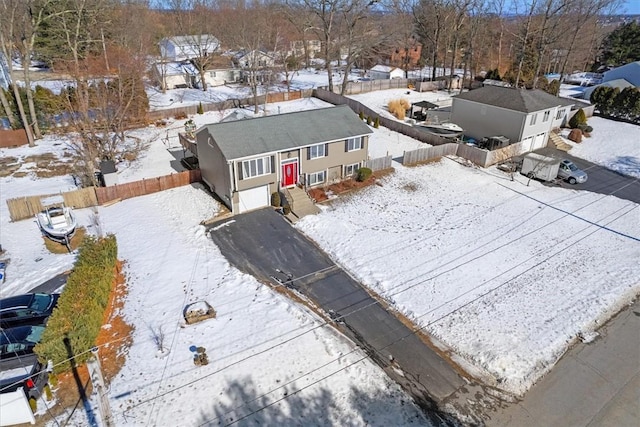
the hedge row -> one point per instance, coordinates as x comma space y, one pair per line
82, 305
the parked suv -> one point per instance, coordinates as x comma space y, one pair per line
27, 309
571, 173
19, 365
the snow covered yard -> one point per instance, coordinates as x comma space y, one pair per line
504, 275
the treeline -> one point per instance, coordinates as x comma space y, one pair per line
613, 102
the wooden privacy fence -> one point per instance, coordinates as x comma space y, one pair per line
146, 186
381, 163
13, 138
428, 153
28, 207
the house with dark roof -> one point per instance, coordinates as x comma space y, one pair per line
521, 115
245, 161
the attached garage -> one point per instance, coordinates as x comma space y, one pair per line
253, 198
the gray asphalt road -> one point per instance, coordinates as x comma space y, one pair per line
601, 180
263, 244
593, 385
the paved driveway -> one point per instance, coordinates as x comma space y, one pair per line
262, 243
601, 180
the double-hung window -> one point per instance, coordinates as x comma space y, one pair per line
546, 116
256, 167
316, 178
354, 144
533, 119
350, 170
560, 114
317, 151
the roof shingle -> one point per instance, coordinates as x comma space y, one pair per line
523, 100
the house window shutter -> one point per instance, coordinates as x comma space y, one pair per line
240, 177
273, 164
308, 153
326, 150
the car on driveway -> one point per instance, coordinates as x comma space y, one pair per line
571, 173
19, 365
26, 309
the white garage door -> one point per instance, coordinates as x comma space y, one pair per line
254, 198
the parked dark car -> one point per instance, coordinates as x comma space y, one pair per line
19, 365
26, 309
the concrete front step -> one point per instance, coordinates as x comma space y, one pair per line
301, 203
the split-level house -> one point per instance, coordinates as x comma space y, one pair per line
520, 115
243, 162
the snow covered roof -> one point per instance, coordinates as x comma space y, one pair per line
244, 138
383, 68
630, 72
202, 39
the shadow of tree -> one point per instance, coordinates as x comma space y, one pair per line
626, 165
314, 406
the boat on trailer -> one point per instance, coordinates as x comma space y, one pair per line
448, 130
57, 222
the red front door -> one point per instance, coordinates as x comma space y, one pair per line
289, 174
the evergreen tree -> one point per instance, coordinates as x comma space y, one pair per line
622, 45
603, 98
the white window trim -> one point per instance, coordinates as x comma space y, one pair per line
354, 166
266, 167
546, 116
324, 177
355, 141
533, 119
324, 151
560, 114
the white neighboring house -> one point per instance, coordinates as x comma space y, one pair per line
386, 72
180, 48
629, 72
176, 75
254, 59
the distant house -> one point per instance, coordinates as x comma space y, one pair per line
386, 72
629, 72
520, 115
254, 59
297, 48
245, 161
183, 74
180, 48
175, 75
617, 84
407, 55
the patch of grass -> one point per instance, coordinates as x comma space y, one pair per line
59, 248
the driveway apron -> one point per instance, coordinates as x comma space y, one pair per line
263, 244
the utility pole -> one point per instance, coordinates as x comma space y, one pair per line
97, 380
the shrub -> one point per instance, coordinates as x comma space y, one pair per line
398, 107
376, 123
363, 174
275, 199
361, 115
587, 129
80, 311
369, 120
286, 210
200, 108
578, 118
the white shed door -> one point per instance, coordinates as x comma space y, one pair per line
254, 198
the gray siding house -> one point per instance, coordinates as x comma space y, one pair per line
244, 161
519, 114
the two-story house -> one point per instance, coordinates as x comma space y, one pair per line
521, 115
245, 161
181, 48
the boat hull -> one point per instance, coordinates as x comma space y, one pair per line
57, 224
